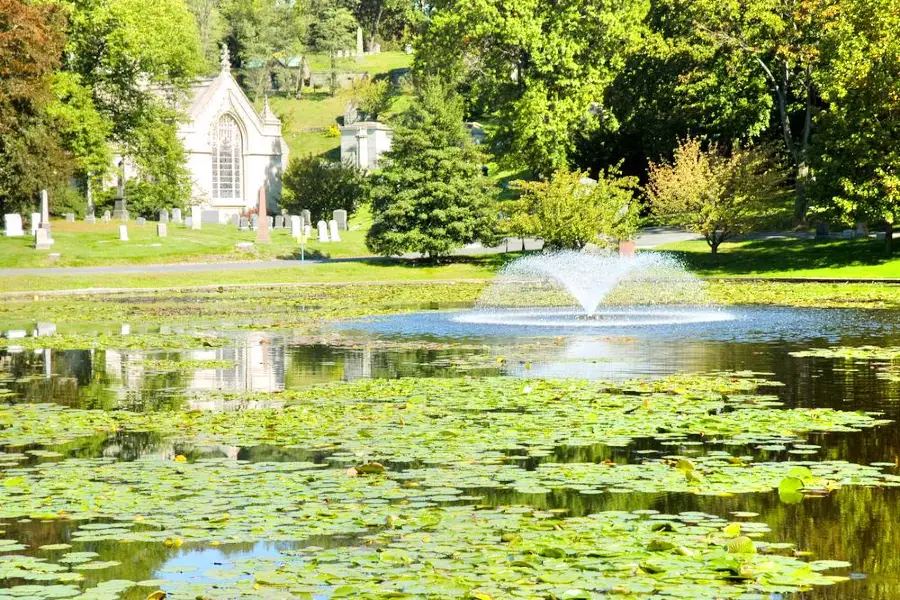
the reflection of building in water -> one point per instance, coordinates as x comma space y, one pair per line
258, 366
358, 365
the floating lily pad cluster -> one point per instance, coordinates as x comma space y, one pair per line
889, 353
405, 466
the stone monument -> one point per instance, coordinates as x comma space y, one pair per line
296, 227
35, 222
162, 229
262, 234
340, 216
123, 233
176, 216
120, 210
164, 216
195, 217
333, 230
42, 239
45, 210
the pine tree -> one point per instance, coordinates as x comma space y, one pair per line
431, 196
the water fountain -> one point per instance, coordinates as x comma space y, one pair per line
576, 289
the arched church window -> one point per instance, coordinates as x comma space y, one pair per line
226, 156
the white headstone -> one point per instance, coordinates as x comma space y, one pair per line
123, 233
307, 231
106, 217
162, 229
35, 221
141, 221
210, 216
12, 225
323, 231
176, 216
333, 230
296, 227
164, 216
195, 217
340, 216
70, 217
42, 239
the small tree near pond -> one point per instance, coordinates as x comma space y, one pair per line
715, 194
431, 196
320, 186
568, 211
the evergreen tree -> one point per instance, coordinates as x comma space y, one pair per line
431, 197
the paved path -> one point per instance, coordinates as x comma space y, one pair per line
651, 237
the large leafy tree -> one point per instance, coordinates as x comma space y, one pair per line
857, 163
31, 157
333, 29
675, 84
783, 41
431, 196
136, 59
541, 70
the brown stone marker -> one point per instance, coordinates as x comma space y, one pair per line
262, 230
626, 248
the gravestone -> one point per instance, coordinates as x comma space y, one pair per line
162, 230
141, 221
209, 216
351, 113
333, 229
243, 224
821, 231
42, 239
848, 234
244, 246
35, 222
880, 236
279, 222
90, 218
195, 217
296, 227
45, 210
323, 231
176, 216
862, 230
106, 217
164, 216
119, 210
307, 218
123, 233
307, 231
235, 220
340, 216
189, 222
254, 222
376, 49
271, 222
12, 225
70, 217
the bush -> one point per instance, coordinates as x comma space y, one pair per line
715, 194
320, 186
568, 213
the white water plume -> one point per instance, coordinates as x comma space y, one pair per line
571, 278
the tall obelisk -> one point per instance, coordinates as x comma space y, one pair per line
262, 231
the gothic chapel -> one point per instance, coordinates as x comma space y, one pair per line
232, 150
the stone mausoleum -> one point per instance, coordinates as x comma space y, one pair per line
232, 150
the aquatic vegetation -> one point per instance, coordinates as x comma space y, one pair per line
890, 353
167, 365
100, 341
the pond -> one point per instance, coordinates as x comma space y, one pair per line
225, 418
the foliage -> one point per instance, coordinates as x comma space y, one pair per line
714, 194
431, 196
31, 157
541, 70
857, 165
334, 29
211, 28
395, 20
83, 129
320, 186
567, 211
374, 98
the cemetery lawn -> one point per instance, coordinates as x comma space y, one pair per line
789, 257
81, 245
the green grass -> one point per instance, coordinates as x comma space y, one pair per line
843, 259
374, 64
81, 244
322, 273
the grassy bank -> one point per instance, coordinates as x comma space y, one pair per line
787, 257
81, 245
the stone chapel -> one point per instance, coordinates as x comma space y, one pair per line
232, 150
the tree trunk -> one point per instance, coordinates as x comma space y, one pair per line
889, 239
375, 26
333, 74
